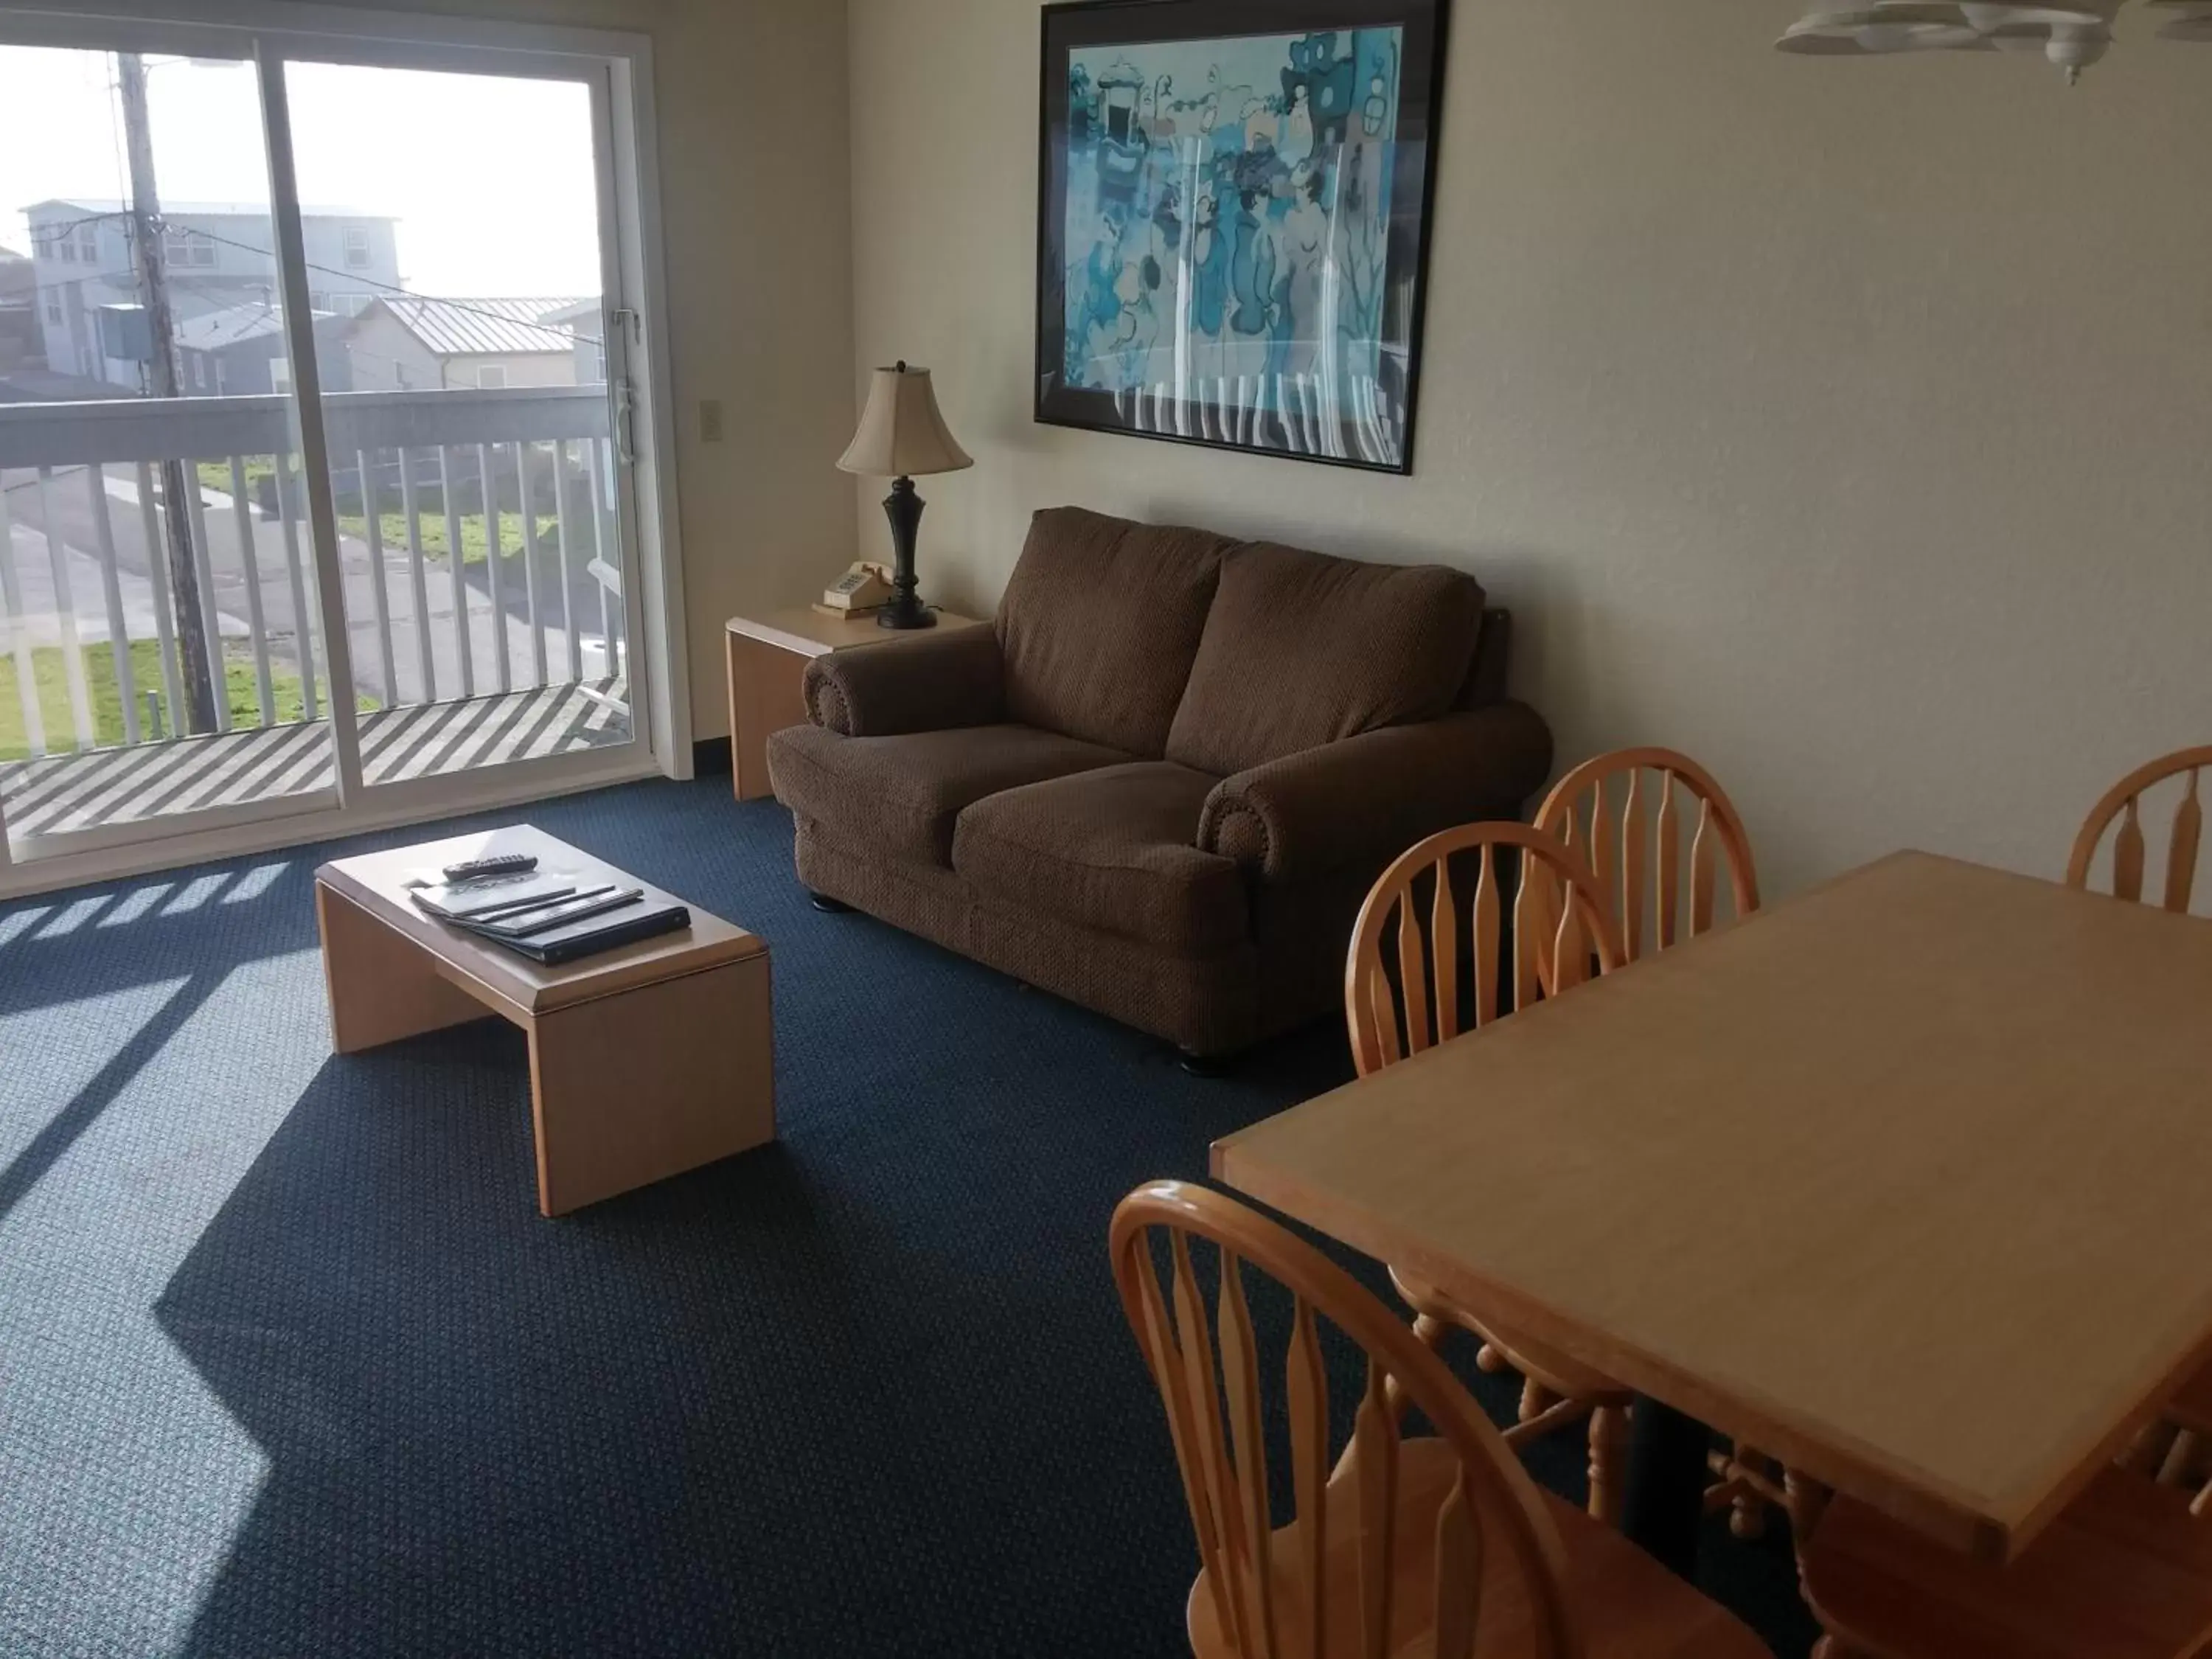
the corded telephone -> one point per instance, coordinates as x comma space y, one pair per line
863, 587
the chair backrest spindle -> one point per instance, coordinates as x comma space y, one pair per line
1636, 851
2123, 802
1559, 916
1401, 1536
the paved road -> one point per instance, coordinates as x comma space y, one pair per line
68, 497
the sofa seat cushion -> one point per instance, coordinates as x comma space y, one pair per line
1114, 849
1301, 649
900, 796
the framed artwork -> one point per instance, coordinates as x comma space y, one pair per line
1232, 221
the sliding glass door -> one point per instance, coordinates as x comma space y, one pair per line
161, 631
307, 340
465, 393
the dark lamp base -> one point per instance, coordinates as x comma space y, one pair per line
916, 615
905, 609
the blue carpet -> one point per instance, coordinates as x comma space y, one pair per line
289, 1364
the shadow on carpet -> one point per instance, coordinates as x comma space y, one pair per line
289, 1364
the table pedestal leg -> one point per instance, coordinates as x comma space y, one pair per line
1667, 1472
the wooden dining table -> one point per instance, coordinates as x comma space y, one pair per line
1906, 1182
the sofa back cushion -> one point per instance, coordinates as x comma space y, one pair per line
1301, 649
1493, 653
1100, 623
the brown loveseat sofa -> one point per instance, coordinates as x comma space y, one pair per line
1161, 784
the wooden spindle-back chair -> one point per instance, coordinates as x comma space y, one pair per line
1556, 916
2176, 1452
1625, 812
2122, 1572
1425, 1005
1630, 830
1436, 1545
2124, 803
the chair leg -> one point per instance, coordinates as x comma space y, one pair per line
1808, 1501
1608, 1434
2146, 1454
1428, 1330
1489, 1360
1748, 1515
1535, 1399
2179, 1457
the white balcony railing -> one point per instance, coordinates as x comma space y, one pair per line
441, 603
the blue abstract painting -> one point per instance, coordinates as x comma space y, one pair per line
1226, 239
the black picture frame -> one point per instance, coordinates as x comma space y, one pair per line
1234, 386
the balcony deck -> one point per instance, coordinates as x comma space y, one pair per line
478, 552
60, 794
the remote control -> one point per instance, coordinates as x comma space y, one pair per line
501, 864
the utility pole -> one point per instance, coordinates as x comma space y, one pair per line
193, 644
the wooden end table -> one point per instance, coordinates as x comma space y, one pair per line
768, 658
645, 1060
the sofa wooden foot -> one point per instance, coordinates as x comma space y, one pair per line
827, 906
1208, 1065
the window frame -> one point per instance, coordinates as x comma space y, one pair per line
183, 248
621, 64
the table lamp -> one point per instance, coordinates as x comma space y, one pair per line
901, 435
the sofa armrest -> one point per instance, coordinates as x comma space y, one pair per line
910, 683
1366, 799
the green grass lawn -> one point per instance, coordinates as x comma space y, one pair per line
51, 674
434, 532
215, 476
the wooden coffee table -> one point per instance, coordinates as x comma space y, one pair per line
649, 1060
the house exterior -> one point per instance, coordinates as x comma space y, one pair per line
405, 341
218, 255
23, 345
242, 349
585, 320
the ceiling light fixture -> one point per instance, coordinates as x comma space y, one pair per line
2071, 37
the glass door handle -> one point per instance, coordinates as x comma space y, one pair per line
627, 328
625, 422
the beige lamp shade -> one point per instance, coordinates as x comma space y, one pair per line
901, 435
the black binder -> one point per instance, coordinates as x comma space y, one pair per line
601, 933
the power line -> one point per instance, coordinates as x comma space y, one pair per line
404, 293
66, 226
54, 232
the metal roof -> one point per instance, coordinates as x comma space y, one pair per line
212, 331
457, 328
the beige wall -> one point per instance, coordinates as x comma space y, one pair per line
1845, 423
756, 209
